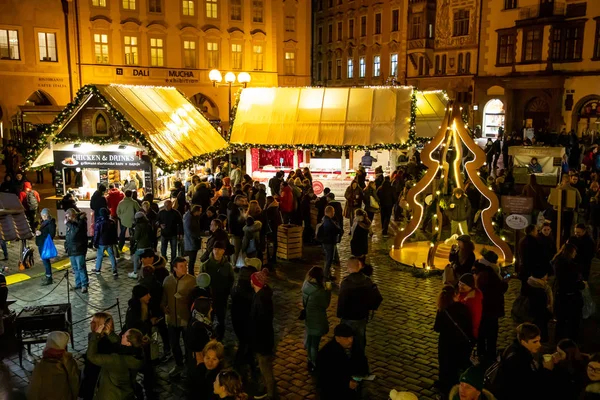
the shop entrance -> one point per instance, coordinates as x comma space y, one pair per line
493, 117
537, 114
586, 116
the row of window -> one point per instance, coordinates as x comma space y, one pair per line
362, 68
10, 50
188, 8
463, 65
566, 44
377, 29
419, 29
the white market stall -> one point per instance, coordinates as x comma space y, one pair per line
329, 129
548, 157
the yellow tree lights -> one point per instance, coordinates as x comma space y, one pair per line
452, 134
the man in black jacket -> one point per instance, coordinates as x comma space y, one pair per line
338, 362
521, 376
547, 243
217, 235
321, 203
275, 183
529, 251
273, 220
98, 201
105, 238
585, 249
328, 232
76, 246
262, 336
357, 297
171, 229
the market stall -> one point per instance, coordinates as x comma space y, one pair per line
137, 137
329, 129
549, 159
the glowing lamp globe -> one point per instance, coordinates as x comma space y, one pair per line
244, 77
230, 77
215, 76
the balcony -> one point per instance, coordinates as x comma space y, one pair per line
420, 44
546, 10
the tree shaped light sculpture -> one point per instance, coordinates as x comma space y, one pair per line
452, 134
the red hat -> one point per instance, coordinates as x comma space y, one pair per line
259, 279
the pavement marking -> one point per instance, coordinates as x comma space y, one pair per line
61, 264
16, 278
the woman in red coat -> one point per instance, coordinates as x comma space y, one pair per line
286, 202
472, 298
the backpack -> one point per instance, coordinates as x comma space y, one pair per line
32, 202
520, 310
494, 377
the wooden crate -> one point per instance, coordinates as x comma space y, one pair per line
289, 242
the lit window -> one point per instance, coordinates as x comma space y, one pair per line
257, 57
47, 42
532, 44
100, 48
377, 66
236, 10
99, 3
9, 45
156, 52
415, 27
257, 10
506, 49
236, 55
290, 24
211, 9
362, 67
290, 63
461, 23
393, 64
350, 74
213, 54
131, 50
129, 4
155, 6
188, 8
189, 54
338, 69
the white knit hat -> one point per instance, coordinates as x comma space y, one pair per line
57, 340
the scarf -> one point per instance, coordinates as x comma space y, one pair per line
365, 224
53, 353
541, 284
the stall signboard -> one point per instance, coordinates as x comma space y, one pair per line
99, 160
517, 221
517, 205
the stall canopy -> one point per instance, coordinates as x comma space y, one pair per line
366, 117
431, 108
174, 129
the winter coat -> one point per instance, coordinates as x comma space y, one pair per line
191, 232
156, 294
133, 318
177, 308
76, 239
126, 211
474, 302
335, 369
172, 221
568, 279
492, 288
143, 234
262, 336
461, 209
586, 250
274, 185
286, 200
23, 195
354, 199
386, 196
202, 196
328, 231
547, 246
454, 344
235, 176
464, 267
114, 197
338, 216
315, 300
485, 394
359, 243
235, 220
529, 250
179, 195
105, 230
218, 236
55, 376
272, 217
251, 232
242, 296
201, 381
221, 276
357, 297
98, 201
48, 227
368, 193
540, 301
118, 371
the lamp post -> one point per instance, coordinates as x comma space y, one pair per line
216, 78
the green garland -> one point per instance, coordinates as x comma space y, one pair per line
128, 135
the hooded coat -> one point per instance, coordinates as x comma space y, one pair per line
461, 209
241, 305
357, 297
98, 201
143, 233
55, 376
177, 298
316, 300
251, 232
191, 232
354, 198
114, 197
126, 211
76, 239
105, 229
359, 243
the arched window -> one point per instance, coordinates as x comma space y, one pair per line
437, 65
101, 124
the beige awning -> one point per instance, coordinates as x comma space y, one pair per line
322, 116
431, 108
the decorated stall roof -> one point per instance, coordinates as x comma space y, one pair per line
368, 118
159, 119
430, 108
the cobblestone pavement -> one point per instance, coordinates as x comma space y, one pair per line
402, 347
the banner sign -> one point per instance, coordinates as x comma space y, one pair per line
100, 160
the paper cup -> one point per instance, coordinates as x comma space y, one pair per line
547, 358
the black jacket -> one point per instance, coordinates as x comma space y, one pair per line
200, 382
218, 236
386, 195
320, 204
274, 185
261, 322
466, 266
547, 251
272, 219
133, 318
235, 221
523, 379
493, 288
173, 221
241, 307
329, 231
105, 231
143, 234
538, 304
586, 249
179, 194
529, 249
98, 201
568, 278
358, 295
202, 197
156, 293
452, 343
76, 239
48, 227
338, 216
335, 369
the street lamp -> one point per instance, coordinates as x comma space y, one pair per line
216, 78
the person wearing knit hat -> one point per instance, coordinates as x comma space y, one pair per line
144, 236
139, 313
338, 361
472, 297
261, 333
241, 305
57, 372
471, 386
462, 255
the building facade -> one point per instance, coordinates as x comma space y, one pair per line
359, 42
443, 46
539, 65
161, 42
